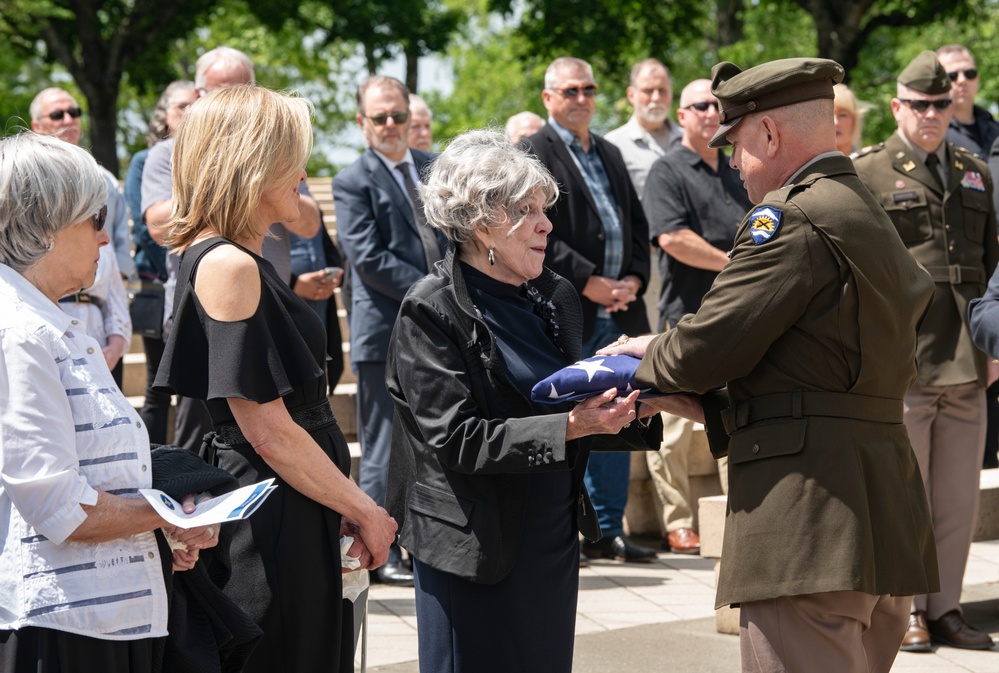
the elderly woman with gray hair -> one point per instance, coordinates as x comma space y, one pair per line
84, 574
487, 486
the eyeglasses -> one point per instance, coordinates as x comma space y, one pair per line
969, 73
590, 90
57, 115
922, 106
703, 106
381, 120
98, 219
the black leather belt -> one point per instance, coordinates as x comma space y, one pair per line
802, 403
955, 274
309, 418
81, 298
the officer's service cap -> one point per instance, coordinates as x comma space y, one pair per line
768, 86
925, 75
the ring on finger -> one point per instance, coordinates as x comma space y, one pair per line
622, 340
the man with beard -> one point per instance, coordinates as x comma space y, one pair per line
389, 246
650, 132
694, 202
939, 197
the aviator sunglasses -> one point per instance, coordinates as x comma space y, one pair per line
922, 106
590, 90
969, 73
57, 115
397, 117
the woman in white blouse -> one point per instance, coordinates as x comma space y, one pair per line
84, 574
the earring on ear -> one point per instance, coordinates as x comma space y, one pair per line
50, 245
492, 257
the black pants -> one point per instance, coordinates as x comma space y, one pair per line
156, 409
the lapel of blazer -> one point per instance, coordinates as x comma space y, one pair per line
380, 176
955, 171
905, 161
561, 153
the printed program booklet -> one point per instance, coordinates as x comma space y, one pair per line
238, 504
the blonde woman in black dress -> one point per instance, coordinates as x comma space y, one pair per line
247, 345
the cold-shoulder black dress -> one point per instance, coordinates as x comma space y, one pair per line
282, 565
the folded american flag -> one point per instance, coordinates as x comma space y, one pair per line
590, 377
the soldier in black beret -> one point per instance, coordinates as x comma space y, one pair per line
939, 197
811, 326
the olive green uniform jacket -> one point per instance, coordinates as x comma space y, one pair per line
953, 235
814, 331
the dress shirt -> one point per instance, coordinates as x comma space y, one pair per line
595, 175
111, 315
396, 175
640, 149
66, 432
117, 224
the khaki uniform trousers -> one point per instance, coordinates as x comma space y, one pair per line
946, 427
838, 632
669, 470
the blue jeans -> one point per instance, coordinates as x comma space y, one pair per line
607, 473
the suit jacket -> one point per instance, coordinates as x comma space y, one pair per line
952, 234
576, 244
814, 331
376, 228
462, 456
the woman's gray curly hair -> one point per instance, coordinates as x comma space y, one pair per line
480, 180
46, 184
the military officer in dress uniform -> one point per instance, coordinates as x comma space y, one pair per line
812, 325
939, 196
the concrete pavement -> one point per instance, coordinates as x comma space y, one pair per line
659, 618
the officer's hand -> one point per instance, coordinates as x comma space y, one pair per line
634, 346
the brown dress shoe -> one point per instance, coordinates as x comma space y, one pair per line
917, 636
951, 629
684, 541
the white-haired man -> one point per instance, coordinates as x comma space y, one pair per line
650, 132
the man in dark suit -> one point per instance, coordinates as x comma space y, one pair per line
389, 247
600, 243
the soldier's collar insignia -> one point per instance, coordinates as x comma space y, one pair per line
763, 223
908, 166
973, 180
958, 165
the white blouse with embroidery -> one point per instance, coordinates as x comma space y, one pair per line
67, 432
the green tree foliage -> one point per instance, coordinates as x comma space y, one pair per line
386, 28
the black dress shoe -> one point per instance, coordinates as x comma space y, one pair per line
619, 548
394, 574
951, 629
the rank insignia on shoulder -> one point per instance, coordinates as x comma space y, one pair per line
763, 223
973, 180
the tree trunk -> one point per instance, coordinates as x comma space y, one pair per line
412, 56
730, 24
104, 127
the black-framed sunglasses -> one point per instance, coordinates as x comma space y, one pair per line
922, 106
702, 106
98, 219
381, 120
590, 90
57, 115
969, 73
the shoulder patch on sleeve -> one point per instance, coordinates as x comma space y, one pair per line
764, 222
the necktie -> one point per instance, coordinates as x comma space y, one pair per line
933, 163
431, 249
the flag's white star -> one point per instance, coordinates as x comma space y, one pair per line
553, 395
591, 367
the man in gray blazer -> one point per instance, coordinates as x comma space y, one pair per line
389, 246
